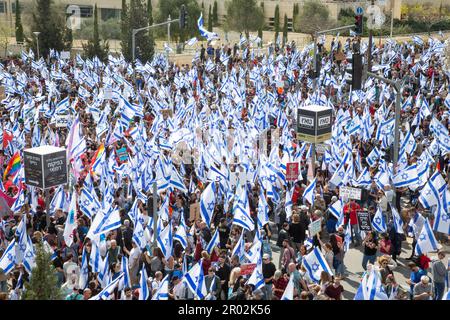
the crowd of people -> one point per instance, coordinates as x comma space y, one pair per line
177, 174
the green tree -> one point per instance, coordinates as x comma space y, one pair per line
210, 20
285, 30
93, 48
125, 38
137, 18
313, 17
239, 19
276, 22
43, 284
51, 24
172, 8
150, 12
215, 15
19, 29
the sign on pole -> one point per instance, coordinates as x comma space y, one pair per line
350, 193
359, 11
45, 166
315, 227
292, 171
364, 221
314, 123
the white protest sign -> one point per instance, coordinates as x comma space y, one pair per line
350, 193
315, 227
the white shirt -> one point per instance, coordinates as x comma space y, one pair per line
134, 257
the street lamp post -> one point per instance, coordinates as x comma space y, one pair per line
36, 33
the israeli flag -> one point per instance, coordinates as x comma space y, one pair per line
309, 193
208, 203
163, 290
442, 218
84, 272
110, 222
181, 235
289, 290
241, 210
239, 247
347, 237
71, 222
371, 287
406, 177
108, 291
379, 221
398, 222
257, 278
203, 32
215, 241
336, 208
373, 156
429, 196
315, 263
426, 241
20, 201
139, 233
191, 41
8, 259
195, 280
125, 282
263, 210
59, 200
144, 291
417, 40
165, 241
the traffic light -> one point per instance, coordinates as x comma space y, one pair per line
358, 24
183, 16
356, 71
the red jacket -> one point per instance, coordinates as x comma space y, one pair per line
350, 209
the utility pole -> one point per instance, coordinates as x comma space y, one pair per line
369, 56
316, 36
168, 36
397, 86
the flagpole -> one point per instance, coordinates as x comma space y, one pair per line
155, 212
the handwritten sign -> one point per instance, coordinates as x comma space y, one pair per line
350, 193
315, 227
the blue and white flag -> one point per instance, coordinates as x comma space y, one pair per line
84, 271
203, 32
163, 290
371, 287
263, 210
108, 291
398, 221
215, 241
8, 259
241, 211
310, 192
406, 177
208, 203
379, 221
191, 41
442, 218
429, 196
426, 241
239, 247
165, 240
144, 291
181, 235
71, 223
315, 263
373, 156
289, 290
257, 278
336, 208
125, 282
195, 280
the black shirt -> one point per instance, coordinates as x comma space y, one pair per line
224, 234
369, 251
268, 270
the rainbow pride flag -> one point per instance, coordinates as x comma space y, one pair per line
13, 166
98, 158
